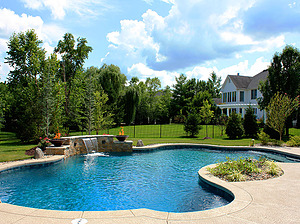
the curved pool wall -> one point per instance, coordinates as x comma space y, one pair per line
216, 183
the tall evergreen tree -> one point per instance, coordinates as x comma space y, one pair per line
234, 127
250, 123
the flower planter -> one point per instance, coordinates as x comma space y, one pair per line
57, 142
122, 138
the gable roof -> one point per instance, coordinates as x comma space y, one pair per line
240, 82
262, 76
248, 82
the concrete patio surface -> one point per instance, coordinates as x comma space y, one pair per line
268, 201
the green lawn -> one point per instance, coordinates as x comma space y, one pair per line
11, 148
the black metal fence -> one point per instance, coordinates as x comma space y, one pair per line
166, 131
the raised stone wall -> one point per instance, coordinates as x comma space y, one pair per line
75, 146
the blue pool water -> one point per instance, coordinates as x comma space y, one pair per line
163, 180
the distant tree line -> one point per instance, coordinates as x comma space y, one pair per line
45, 94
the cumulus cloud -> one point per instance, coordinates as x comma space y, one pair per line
143, 72
195, 32
59, 8
10, 23
198, 72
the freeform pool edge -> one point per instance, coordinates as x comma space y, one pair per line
241, 201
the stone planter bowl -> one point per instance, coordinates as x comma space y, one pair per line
122, 138
57, 142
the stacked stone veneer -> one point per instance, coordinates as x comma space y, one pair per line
75, 146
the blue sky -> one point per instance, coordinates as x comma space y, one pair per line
161, 38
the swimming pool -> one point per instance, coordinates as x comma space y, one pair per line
163, 180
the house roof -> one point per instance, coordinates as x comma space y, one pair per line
262, 76
248, 82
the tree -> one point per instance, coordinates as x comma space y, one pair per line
73, 54
4, 99
27, 58
131, 101
52, 97
279, 109
112, 82
284, 77
192, 124
199, 99
250, 123
102, 118
206, 114
163, 105
234, 127
214, 85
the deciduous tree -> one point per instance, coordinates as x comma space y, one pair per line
279, 109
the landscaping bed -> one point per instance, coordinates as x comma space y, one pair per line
246, 169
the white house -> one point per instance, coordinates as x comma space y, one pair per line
238, 92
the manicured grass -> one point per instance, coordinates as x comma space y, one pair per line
11, 148
217, 141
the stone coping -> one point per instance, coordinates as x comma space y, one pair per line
267, 201
30, 162
86, 136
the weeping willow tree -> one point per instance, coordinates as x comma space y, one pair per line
131, 100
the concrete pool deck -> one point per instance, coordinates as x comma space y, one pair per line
267, 201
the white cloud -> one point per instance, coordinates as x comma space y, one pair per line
143, 72
10, 23
192, 34
59, 8
200, 72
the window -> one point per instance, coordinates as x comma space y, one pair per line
253, 94
224, 97
242, 96
233, 110
241, 111
234, 96
229, 97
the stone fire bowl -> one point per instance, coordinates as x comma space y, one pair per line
122, 138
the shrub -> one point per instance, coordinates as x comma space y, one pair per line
272, 168
192, 124
250, 124
234, 127
264, 138
294, 141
